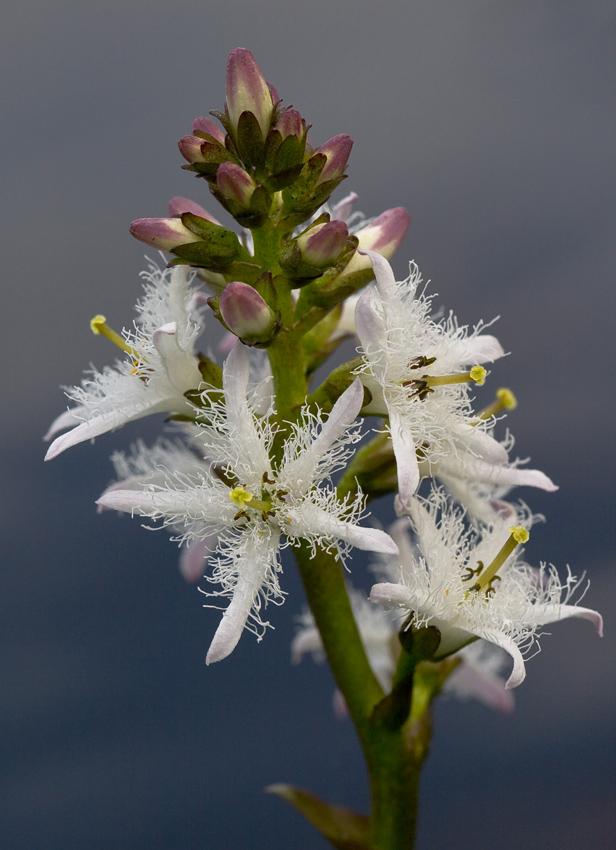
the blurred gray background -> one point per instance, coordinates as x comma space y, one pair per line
493, 123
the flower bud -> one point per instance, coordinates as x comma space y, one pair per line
235, 184
290, 123
386, 232
246, 313
337, 150
164, 233
247, 90
177, 206
206, 125
190, 148
321, 245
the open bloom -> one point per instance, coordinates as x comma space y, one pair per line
448, 585
248, 502
159, 367
417, 370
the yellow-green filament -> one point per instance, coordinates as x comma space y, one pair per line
99, 326
518, 534
476, 374
505, 400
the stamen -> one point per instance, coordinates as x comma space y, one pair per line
99, 326
505, 400
518, 534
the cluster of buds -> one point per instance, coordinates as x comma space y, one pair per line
262, 170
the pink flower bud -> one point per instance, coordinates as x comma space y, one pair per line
163, 233
337, 150
206, 125
177, 206
321, 245
235, 184
245, 313
247, 90
290, 123
386, 232
190, 148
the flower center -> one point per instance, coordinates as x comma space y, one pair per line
486, 575
247, 500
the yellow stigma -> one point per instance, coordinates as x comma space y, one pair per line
240, 495
505, 400
519, 533
478, 374
99, 326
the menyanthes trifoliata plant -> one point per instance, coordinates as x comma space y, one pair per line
268, 445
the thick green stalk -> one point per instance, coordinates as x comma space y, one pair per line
391, 765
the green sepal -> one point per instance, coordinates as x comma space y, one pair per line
210, 371
260, 201
420, 644
249, 140
291, 263
288, 155
343, 828
206, 255
246, 272
266, 288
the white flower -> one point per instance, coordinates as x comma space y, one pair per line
248, 502
415, 368
159, 368
450, 587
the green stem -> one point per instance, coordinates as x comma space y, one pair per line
393, 771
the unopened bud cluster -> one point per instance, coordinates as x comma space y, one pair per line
262, 170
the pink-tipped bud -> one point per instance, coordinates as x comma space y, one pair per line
163, 233
235, 184
206, 125
321, 245
177, 206
190, 148
337, 151
247, 90
246, 314
290, 123
386, 232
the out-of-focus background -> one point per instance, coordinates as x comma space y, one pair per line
493, 123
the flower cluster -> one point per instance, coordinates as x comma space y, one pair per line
258, 448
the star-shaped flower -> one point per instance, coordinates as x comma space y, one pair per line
469, 584
248, 501
159, 367
417, 370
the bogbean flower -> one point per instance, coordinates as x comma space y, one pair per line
248, 502
159, 367
472, 584
417, 369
